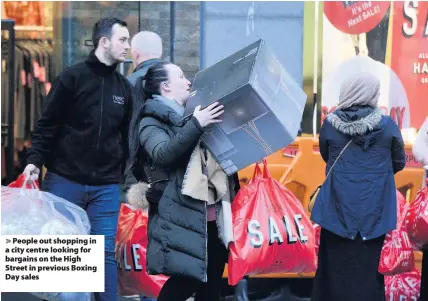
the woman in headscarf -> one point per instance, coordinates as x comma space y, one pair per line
356, 205
420, 151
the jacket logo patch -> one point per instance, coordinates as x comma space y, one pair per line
120, 100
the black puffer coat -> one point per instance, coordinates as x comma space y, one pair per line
177, 223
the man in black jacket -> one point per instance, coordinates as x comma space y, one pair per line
82, 137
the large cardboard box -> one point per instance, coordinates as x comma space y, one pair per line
263, 106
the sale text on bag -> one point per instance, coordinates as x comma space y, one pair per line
275, 234
124, 263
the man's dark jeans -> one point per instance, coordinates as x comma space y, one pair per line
102, 204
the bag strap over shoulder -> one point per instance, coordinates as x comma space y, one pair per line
334, 163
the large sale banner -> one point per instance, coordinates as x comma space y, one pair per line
393, 37
410, 55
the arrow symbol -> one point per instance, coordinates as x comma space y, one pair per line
8, 240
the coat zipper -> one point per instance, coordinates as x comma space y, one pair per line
101, 109
206, 240
157, 181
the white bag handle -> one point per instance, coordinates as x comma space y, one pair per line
24, 189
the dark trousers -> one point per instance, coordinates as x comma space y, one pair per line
424, 278
102, 204
348, 269
179, 288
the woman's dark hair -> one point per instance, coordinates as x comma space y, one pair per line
145, 87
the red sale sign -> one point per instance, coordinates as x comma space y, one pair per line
409, 57
355, 17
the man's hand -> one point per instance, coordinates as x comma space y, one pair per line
208, 115
31, 172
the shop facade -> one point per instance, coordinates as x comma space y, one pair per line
311, 40
195, 34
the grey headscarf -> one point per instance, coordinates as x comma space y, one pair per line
359, 89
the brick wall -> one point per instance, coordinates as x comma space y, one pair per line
78, 18
155, 16
187, 37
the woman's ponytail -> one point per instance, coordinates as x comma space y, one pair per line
145, 87
138, 100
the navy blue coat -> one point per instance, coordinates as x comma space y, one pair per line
359, 196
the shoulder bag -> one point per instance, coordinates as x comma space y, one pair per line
314, 195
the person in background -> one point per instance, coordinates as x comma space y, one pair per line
357, 204
82, 138
420, 151
146, 51
190, 217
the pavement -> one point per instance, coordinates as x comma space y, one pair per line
29, 297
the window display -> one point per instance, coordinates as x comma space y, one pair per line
394, 34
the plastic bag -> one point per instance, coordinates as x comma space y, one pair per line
403, 287
397, 252
131, 248
416, 222
272, 232
27, 211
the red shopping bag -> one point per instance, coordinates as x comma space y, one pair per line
403, 287
397, 252
416, 222
131, 246
272, 232
20, 182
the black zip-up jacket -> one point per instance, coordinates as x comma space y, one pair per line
82, 134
